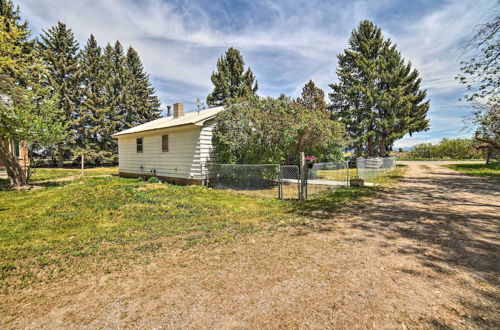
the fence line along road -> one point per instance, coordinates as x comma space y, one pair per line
369, 168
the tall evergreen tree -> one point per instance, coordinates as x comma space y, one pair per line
59, 51
93, 108
312, 97
231, 81
115, 82
142, 105
378, 96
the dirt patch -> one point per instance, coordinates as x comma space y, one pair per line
423, 256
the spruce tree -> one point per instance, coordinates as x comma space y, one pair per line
378, 96
312, 97
231, 81
113, 67
59, 51
93, 109
142, 105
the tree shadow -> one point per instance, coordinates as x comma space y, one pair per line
452, 224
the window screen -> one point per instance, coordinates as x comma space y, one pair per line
139, 145
164, 143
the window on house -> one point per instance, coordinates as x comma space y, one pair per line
16, 149
164, 143
139, 144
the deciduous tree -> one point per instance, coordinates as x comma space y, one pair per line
274, 131
27, 111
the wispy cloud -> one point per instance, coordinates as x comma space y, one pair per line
285, 43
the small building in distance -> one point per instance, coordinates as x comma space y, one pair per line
170, 148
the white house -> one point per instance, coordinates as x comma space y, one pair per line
171, 148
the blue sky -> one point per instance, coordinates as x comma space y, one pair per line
286, 43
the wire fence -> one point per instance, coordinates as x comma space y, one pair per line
369, 168
285, 181
261, 180
289, 182
249, 179
326, 176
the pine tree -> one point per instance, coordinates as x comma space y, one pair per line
113, 67
231, 81
312, 97
12, 23
59, 51
378, 96
142, 105
93, 108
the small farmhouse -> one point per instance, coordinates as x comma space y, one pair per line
171, 148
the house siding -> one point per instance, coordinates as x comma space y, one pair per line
189, 147
23, 158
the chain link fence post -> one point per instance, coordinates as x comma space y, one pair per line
302, 176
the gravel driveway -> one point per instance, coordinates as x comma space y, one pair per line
422, 256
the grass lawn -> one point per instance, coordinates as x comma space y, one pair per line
42, 174
435, 159
104, 223
488, 170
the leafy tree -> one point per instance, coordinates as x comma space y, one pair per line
445, 149
313, 97
378, 96
273, 131
481, 75
231, 81
59, 51
27, 113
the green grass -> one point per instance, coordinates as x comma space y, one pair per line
486, 170
107, 222
42, 174
435, 159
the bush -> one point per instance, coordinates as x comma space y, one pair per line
446, 149
274, 131
153, 179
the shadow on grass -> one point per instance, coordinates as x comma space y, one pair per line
325, 205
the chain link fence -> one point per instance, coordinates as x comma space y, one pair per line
369, 168
284, 181
326, 176
250, 179
290, 182
260, 180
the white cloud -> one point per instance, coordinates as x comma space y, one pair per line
285, 43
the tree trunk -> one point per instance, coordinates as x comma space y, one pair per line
488, 155
17, 174
370, 147
60, 157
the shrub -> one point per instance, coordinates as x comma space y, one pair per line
153, 179
274, 131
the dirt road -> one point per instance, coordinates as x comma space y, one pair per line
423, 256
